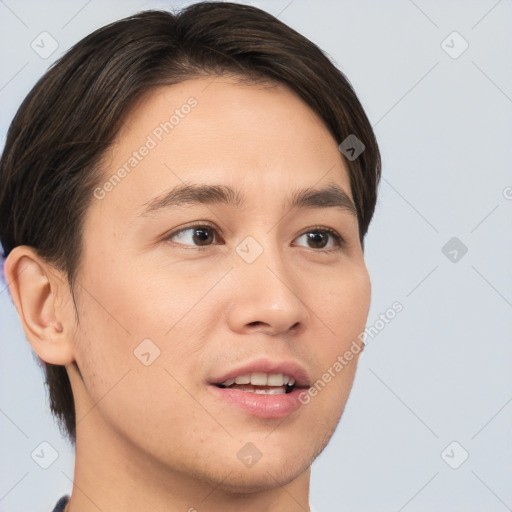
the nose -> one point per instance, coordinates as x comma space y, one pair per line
267, 297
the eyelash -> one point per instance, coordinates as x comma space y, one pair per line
340, 241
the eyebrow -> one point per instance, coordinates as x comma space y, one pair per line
330, 196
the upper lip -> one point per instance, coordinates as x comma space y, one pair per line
268, 366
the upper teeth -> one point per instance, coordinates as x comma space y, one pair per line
261, 379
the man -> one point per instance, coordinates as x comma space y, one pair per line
184, 200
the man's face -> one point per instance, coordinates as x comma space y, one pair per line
219, 290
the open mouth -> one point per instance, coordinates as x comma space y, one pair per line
263, 389
260, 383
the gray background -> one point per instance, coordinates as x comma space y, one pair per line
440, 371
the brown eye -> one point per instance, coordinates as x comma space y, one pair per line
198, 236
321, 238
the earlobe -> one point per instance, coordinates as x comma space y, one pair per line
37, 290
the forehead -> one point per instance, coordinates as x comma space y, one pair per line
261, 137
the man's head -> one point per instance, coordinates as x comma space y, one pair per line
177, 213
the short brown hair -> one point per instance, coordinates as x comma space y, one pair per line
50, 163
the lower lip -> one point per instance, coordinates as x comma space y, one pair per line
261, 406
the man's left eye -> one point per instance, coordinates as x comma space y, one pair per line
321, 238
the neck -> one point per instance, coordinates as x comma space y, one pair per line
112, 474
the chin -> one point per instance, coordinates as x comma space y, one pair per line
280, 464
262, 477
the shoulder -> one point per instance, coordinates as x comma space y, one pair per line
61, 504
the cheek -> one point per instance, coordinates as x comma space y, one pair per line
343, 305
134, 386
135, 318
341, 310
103, 347
157, 300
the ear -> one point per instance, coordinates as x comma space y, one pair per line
42, 299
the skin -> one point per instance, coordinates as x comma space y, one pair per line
155, 437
